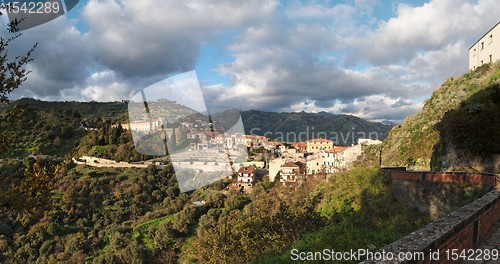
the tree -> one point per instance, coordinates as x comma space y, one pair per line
13, 73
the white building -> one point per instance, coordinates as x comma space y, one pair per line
274, 168
246, 175
292, 172
368, 141
486, 49
314, 164
246, 178
340, 158
333, 159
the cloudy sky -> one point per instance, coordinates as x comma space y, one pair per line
371, 58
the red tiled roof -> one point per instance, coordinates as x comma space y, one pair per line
248, 169
337, 149
300, 145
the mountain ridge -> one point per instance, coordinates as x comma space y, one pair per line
298, 126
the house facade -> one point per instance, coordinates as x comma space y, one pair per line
246, 177
319, 144
486, 49
292, 171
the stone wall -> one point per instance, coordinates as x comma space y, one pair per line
461, 229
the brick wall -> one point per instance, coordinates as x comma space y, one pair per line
461, 229
485, 179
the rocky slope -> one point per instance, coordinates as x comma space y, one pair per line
457, 129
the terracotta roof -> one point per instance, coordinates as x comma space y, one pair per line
300, 145
337, 149
248, 169
319, 140
290, 164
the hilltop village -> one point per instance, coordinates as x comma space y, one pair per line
290, 163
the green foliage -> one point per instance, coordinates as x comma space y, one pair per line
100, 214
359, 212
41, 132
127, 215
456, 128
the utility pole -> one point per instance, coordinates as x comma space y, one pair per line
380, 156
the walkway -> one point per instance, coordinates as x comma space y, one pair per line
492, 243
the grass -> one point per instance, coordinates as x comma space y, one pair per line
341, 237
412, 144
141, 230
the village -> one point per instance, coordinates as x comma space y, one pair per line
289, 163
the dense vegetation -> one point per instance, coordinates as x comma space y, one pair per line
104, 215
457, 128
51, 132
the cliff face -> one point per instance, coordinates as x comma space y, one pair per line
457, 129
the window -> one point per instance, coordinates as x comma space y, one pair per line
491, 59
474, 53
491, 38
481, 62
482, 45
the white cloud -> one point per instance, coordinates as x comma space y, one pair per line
337, 57
147, 37
428, 27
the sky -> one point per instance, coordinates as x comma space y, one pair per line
379, 60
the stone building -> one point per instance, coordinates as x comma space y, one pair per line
486, 49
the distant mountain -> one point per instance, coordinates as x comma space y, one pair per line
457, 129
57, 126
301, 126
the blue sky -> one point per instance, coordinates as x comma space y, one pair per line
375, 59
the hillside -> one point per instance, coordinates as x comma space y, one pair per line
130, 215
56, 128
457, 129
343, 129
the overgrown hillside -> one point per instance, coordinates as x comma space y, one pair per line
457, 129
130, 215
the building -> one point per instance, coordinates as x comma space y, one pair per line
319, 144
255, 142
274, 168
314, 164
486, 49
292, 172
368, 141
246, 177
145, 127
340, 158
333, 159
300, 146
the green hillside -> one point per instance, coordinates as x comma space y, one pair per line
343, 129
457, 129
